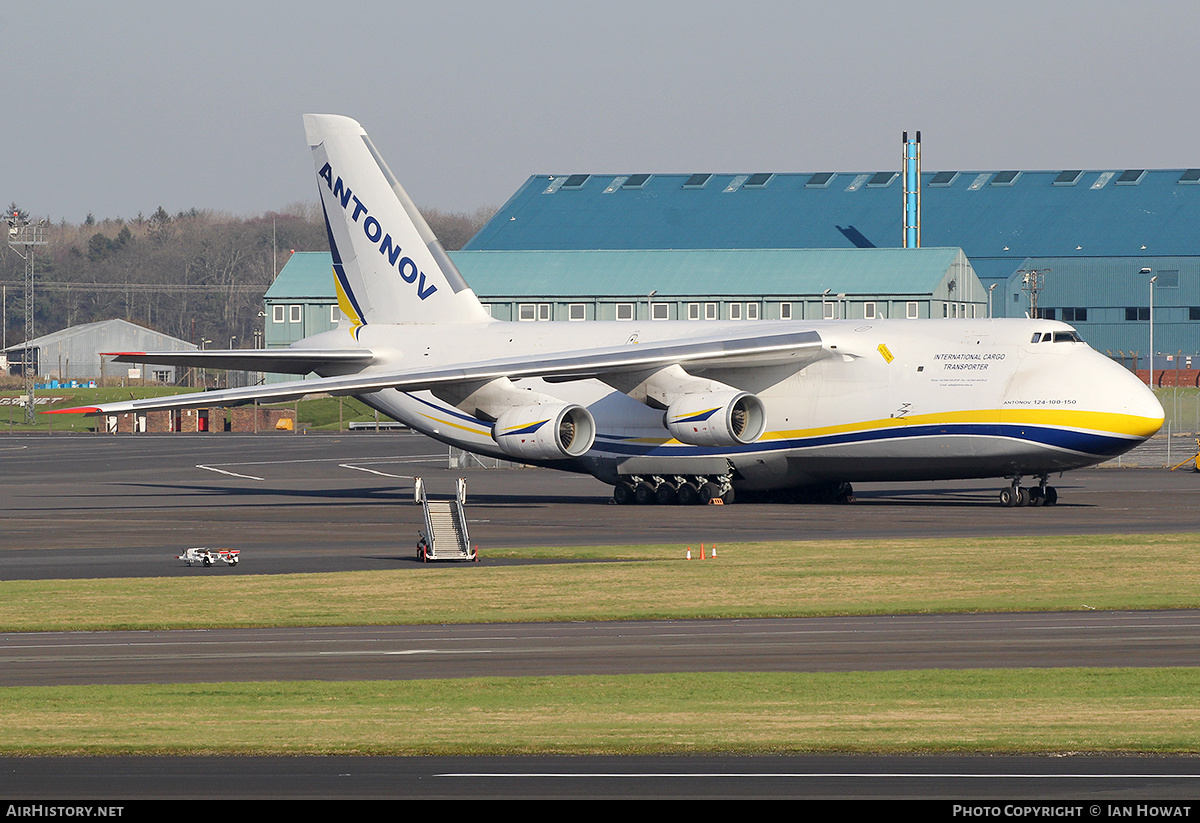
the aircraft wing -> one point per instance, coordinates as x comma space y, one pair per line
286, 361
798, 348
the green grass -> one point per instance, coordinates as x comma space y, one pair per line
1096, 710
745, 580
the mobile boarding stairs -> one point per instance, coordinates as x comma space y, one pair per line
445, 536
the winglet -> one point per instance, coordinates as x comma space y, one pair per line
76, 410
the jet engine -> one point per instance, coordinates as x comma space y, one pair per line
549, 431
729, 418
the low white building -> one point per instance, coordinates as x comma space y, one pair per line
75, 353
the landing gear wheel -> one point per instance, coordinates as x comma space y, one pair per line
687, 494
1022, 497
728, 496
1051, 496
666, 494
1008, 497
623, 493
643, 494
1037, 497
708, 492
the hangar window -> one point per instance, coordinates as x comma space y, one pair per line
1193, 312
910, 310
1074, 315
660, 311
1046, 314
576, 181
882, 179
710, 311
1068, 178
735, 311
943, 178
1190, 177
785, 311
1005, 178
820, 180
577, 311
333, 314
277, 314
533, 311
697, 181
693, 311
624, 311
751, 311
1131, 177
868, 311
757, 181
1137, 313
827, 310
297, 314
636, 181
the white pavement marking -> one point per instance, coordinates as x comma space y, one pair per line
372, 471
231, 474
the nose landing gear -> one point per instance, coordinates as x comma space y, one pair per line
1039, 495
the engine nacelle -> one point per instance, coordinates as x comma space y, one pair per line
549, 431
729, 418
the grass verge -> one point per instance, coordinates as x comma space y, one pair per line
1095, 710
745, 580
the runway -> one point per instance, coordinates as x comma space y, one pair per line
124, 506
816, 644
1097, 788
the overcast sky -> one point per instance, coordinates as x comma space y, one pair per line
116, 108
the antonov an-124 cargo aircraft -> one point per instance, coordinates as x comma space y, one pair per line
678, 411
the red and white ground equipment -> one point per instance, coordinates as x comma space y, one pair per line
207, 557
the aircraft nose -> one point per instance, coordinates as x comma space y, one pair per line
1129, 397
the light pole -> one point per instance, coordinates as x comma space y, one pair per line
649, 308
1150, 371
204, 341
991, 289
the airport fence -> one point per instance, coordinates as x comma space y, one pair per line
461, 459
1168, 448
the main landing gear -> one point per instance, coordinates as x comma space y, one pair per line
665, 491
1039, 495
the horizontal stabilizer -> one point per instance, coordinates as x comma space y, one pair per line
284, 361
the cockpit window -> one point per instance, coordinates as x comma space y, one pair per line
1066, 337
1037, 335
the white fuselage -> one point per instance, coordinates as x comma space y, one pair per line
888, 400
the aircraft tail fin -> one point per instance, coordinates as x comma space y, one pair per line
388, 265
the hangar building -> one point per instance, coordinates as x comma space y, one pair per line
663, 284
74, 353
708, 246
1088, 234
